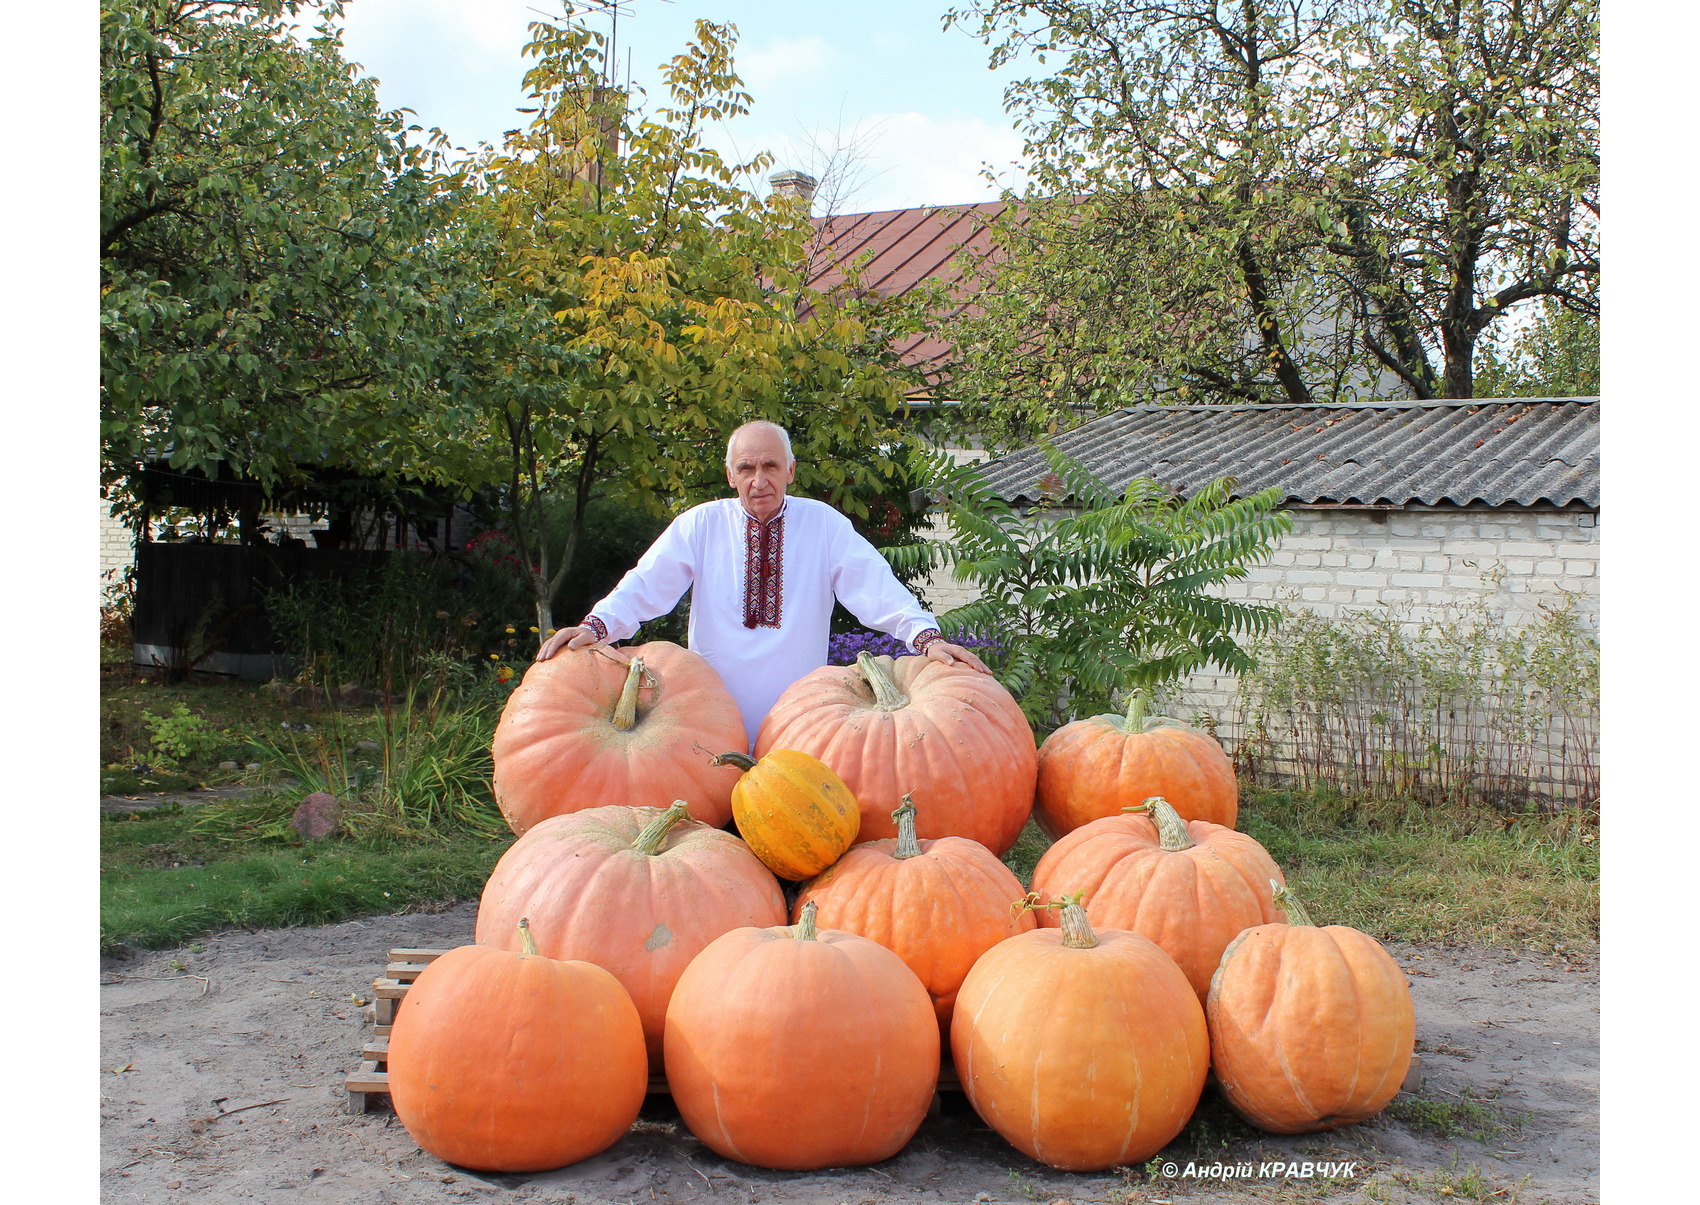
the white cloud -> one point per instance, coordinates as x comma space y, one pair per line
925, 160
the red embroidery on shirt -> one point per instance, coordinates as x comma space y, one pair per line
764, 570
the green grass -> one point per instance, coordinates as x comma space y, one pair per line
162, 883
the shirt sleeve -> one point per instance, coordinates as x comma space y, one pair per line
654, 585
863, 581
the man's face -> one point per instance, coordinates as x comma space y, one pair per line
760, 471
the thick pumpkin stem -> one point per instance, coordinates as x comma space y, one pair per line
1136, 705
625, 711
904, 817
1076, 929
887, 696
743, 761
1296, 914
804, 929
1171, 829
527, 942
651, 836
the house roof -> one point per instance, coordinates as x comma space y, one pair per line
898, 249
1488, 451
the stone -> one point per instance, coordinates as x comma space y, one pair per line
317, 817
229, 767
368, 746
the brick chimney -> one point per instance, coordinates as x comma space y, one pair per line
800, 185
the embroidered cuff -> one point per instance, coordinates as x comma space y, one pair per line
925, 639
597, 626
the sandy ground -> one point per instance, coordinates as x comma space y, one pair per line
222, 1068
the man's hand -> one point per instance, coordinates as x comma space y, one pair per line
954, 654
568, 638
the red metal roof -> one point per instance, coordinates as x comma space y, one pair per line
897, 249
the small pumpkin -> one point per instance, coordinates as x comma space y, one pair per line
796, 1048
639, 891
1190, 886
794, 813
1310, 1028
951, 734
595, 726
1092, 768
937, 904
490, 1044
1085, 1050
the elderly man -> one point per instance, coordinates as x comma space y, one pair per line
763, 570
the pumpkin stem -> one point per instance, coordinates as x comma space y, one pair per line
527, 942
1171, 829
887, 695
1136, 705
1296, 914
743, 761
904, 816
804, 930
625, 711
649, 839
1076, 930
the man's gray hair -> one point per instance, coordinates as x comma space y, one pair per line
762, 424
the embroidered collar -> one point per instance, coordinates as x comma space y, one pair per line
764, 569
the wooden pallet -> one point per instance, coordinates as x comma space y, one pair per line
370, 1085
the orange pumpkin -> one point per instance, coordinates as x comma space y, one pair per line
593, 727
937, 904
951, 734
507, 1062
793, 812
639, 891
1190, 886
1083, 1050
1310, 1028
796, 1049
1092, 768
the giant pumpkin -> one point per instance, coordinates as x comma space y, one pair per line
951, 735
1310, 1028
639, 891
1085, 1050
1190, 886
796, 1048
938, 904
512, 1062
597, 726
1092, 768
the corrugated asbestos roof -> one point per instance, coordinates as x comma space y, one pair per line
897, 249
1494, 452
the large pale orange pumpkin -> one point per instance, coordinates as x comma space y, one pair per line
1310, 1028
1092, 768
938, 904
1190, 886
793, 812
796, 1049
596, 726
506, 1062
950, 735
1083, 1050
639, 891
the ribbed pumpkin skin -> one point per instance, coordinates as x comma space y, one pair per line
1081, 1059
960, 744
556, 748
504, 1062
1310, 1028
590, 895
1191, 902
797, 1055
1092, 768
938, 911
795, 814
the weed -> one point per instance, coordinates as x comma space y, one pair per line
1463, 1117
1020, 1184
182, 735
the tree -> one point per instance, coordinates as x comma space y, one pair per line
265, 268
1092, 593
1555, 355
628, 305
1279, 200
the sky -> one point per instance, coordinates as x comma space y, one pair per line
919, 101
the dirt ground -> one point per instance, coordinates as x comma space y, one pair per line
222, 1067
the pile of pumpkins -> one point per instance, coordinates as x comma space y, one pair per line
627, 934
